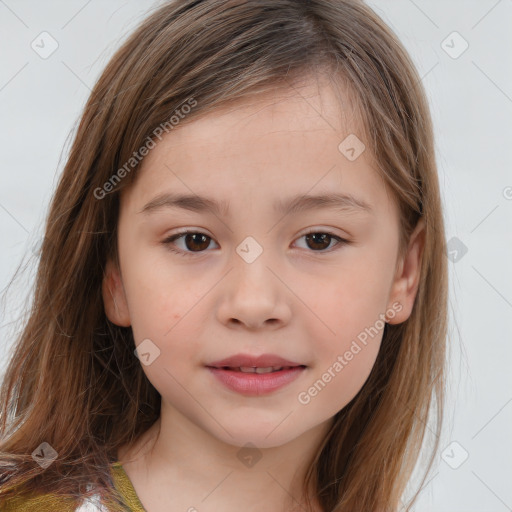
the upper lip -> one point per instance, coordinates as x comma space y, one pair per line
246, 360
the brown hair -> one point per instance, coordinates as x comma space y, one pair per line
73, 380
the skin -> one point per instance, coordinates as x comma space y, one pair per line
304, 301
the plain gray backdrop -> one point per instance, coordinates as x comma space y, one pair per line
462, 51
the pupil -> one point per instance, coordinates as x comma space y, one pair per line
200, 237
316, 236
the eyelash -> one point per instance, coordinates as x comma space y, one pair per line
168, 242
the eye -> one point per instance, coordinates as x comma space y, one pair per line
321, 240
197, 242
194, 241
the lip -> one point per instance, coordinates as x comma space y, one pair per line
261, 361
256, 384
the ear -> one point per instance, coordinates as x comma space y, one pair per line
405, 284
114, 298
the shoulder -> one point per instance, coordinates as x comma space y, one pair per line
51, 503
31, 502
38, 503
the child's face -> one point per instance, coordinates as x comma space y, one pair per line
310, 300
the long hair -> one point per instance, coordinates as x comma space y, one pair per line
72, 380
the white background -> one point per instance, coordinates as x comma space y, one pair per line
471, 102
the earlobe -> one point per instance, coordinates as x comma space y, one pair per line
405, 285
114, 298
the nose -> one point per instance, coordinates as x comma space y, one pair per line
253, 297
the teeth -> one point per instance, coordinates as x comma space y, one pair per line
251, 369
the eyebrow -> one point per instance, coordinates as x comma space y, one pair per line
296, 204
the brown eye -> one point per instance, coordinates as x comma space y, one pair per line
318, 240
321, 241
197, 242
194, 242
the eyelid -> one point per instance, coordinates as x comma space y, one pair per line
317, 229
168, 241
340, 240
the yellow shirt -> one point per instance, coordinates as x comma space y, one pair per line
52, 503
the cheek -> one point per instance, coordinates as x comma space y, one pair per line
347, 329
167, 315
351, 299
162, 300
343, 363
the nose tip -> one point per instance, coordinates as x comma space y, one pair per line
255, 325
252, 296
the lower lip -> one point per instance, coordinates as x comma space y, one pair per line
255, 384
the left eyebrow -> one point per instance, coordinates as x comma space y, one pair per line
300, 203
337, 201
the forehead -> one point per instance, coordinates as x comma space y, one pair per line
282, 141
312, 105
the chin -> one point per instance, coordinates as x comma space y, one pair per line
259, 434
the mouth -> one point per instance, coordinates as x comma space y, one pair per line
256, 369
247, 362
256, 381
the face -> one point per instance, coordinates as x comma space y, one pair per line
312, 285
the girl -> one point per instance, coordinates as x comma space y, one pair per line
288, 361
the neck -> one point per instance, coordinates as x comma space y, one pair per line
177, 462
